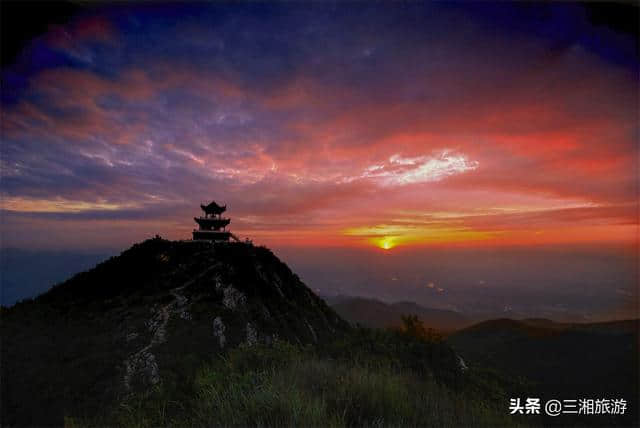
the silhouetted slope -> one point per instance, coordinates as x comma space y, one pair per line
148, 315
561, 360
376, 314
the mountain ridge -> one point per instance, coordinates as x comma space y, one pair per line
562, 360
133, 320
374, 313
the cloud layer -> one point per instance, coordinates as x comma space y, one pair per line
321, 122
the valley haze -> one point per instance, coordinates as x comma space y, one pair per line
563, 284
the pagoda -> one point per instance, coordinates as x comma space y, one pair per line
212, 225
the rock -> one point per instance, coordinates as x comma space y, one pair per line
218, 331
461, 364
233, 298
252, 335
142, 365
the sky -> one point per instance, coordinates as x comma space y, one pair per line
323, 125
373, 126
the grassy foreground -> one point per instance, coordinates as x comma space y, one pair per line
371, 378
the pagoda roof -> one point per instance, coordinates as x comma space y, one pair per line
216, 222
213, 208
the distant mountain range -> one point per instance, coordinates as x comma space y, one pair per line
28, 273
544, 358
377, 314
560, 360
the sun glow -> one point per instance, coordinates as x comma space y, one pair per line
387, 236
386, 242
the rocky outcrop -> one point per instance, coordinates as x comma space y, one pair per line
235, 294
141, 365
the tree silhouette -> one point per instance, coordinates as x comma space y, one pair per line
414, 327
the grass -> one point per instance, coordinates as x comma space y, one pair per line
287, 385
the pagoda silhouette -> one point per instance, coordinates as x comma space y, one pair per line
212, 226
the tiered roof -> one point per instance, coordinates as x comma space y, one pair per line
212, 224
213, 208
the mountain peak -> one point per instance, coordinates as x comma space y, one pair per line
138, 314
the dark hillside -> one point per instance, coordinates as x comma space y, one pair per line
148, 316
560, 360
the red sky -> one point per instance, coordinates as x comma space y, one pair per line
319, 128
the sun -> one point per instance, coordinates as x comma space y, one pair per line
385, 243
